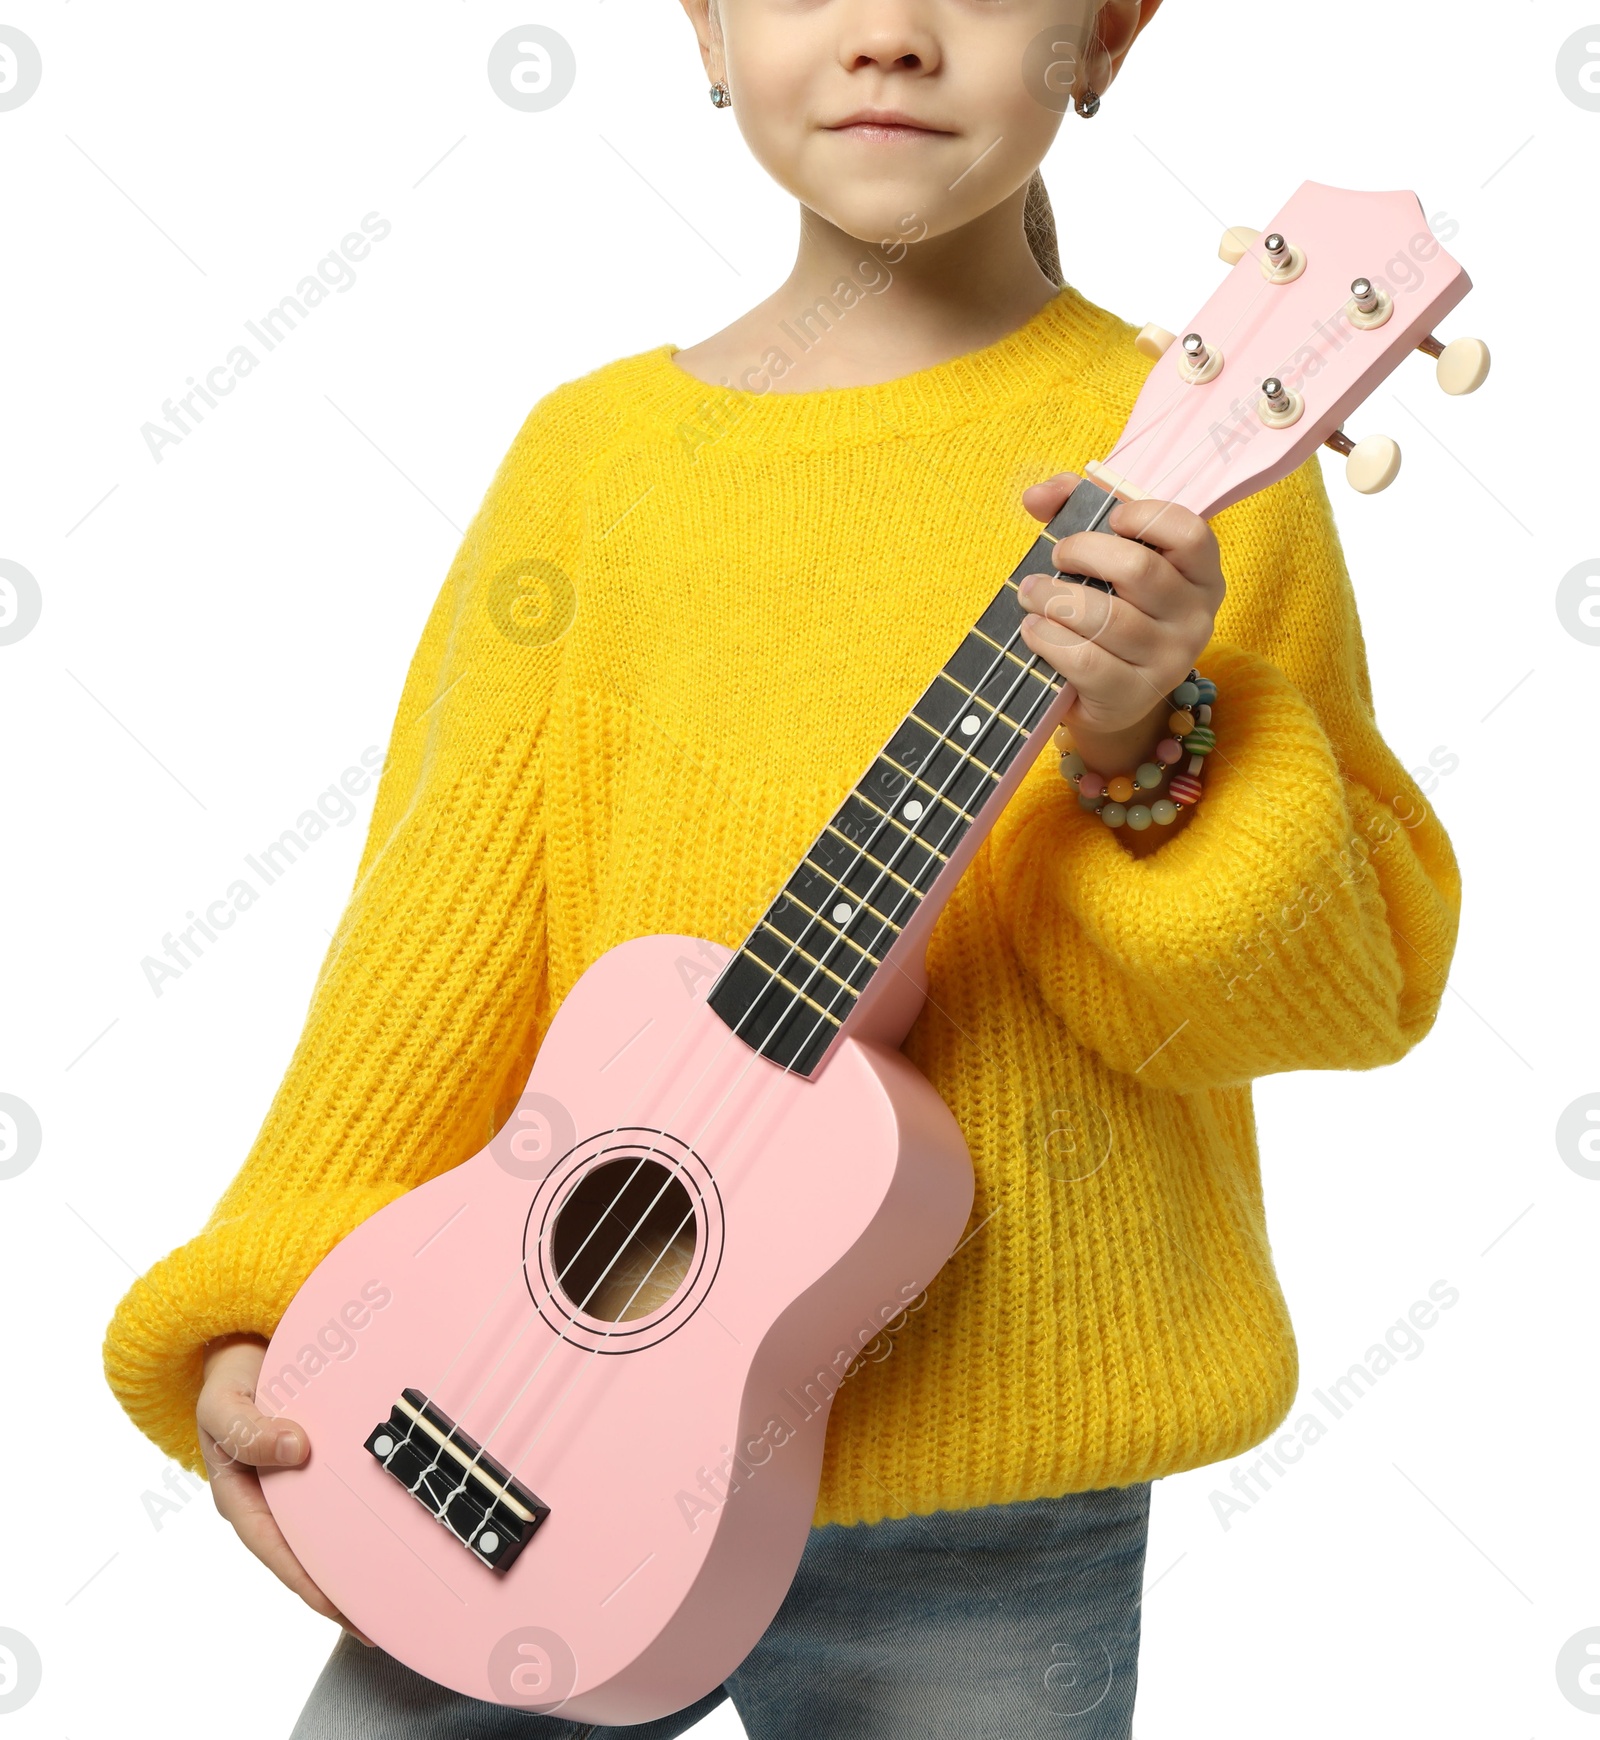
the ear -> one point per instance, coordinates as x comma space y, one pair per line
708, 33
1117, 27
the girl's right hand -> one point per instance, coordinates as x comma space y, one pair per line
236, 1438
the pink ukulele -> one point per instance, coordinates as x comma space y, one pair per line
568, 1412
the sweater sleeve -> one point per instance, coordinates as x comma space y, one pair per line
1305, 916
431, 1000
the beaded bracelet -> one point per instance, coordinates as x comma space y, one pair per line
1190, 731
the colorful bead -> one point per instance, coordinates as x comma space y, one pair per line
1190, 738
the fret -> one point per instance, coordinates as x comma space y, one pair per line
957, 702
857, 883
842, 855
861, 818
1037, 675
769, 1018
873, 928
810, 956
1002, 620
889, 784
792, 918
989, 747
1037, 561
962, 771
1000, 680
798, 991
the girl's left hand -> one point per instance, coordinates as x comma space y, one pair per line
1122, 656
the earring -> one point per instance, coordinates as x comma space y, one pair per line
719, 95
1089, 105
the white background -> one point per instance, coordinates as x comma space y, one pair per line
224, 632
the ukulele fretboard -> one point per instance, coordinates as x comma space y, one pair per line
796, 977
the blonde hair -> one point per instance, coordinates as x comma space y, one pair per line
1039, 226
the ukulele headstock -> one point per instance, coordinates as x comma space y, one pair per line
1318, 309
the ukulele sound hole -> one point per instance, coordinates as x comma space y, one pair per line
619, 1252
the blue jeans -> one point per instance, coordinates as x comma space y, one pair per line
1010, 1620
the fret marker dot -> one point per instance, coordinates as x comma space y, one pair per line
383, 1445
912, 809
842, 912
488, 1542
969, 725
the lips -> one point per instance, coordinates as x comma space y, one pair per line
886, 123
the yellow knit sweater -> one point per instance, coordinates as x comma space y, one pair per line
681, 624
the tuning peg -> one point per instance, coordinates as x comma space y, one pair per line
1236, 243
1463, 363
1154, 341
1370, 464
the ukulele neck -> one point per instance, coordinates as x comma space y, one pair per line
841, 949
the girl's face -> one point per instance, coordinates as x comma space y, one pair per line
986, 80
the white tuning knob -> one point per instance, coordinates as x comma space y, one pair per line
1236, 243
1372, 464
1154, 341
1463, 365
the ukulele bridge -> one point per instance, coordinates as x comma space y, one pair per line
492, 1514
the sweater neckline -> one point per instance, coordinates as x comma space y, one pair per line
1065, 341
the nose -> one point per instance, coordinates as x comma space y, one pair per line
891, 35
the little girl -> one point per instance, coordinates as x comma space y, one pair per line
702, 589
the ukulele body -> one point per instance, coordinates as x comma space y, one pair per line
678, 1453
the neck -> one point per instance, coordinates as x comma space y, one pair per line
917, 303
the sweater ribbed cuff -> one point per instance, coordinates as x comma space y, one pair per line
236, 1277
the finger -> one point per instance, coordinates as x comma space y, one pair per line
1045, 500
1106, 683
236, 1492
241, 1432
1074, 616
1182, 537
1142, 577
